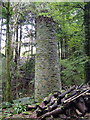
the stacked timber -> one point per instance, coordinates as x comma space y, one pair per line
71, 104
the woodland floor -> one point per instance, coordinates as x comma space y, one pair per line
23, 116
68, 105
19, 116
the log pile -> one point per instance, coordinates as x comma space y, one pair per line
72, 103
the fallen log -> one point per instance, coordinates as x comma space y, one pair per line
75, 96
63, 94
73, 102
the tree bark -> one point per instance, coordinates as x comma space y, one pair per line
32, 37
66, 48
20, 41
87, 40
62, 49
8, 56
47, 76
59, 52
16, 49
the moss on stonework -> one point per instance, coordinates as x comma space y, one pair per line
47, 76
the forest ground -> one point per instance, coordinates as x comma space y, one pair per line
10, 112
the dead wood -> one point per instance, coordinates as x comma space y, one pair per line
74, 102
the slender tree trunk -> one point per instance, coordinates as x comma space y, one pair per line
12, 34
8, 56
62, 49
20, 40
59, 49
47, 73
16, 49
66, 48
87, 40
32, 47
1, 59
16, 61
32, 36
32, 41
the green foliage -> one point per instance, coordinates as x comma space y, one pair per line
69, 19
29, 68
7, 113
3, 8
19, 108
3, 12
73, 70
6, 105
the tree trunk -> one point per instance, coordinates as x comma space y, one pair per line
62, 49
20, 41
16, 49
32, 41
87, 40
8, 56
47, 76
66, 48
59, 52
16, 61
